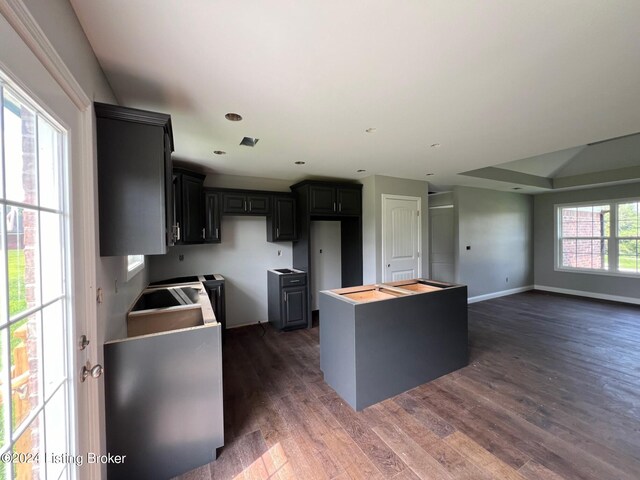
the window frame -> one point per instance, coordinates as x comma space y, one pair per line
613, 238
133, 267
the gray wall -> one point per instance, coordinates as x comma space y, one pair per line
544, 243
372, 190
243, 257
498, 228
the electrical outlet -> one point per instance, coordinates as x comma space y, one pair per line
279, 253
181, 257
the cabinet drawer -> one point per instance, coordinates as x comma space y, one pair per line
293, 280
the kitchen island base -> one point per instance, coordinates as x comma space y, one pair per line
378, 341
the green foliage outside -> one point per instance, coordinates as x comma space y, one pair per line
628, 227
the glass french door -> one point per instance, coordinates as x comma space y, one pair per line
35, 373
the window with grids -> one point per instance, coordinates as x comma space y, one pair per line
602, 237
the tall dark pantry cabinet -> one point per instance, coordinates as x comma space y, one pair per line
334, 201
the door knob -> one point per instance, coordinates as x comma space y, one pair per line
388, 265
88, 370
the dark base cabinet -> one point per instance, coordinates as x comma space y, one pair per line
287, 299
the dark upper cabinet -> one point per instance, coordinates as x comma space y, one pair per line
322, 199
189, 206
281, 225
134, 180
245, 203
334, 200
212, 217
349, 201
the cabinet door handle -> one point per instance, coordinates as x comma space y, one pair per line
203, 234
294, 281
177, 231
334, 206
217, 232
277, 232
250, 207
284, 297
340, 207
245, 206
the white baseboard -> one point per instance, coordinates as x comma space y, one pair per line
581, 293
502, 293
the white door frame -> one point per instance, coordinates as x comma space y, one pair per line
388, 196
81, 187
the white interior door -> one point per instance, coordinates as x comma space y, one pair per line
47, 272
441, 244
401, 237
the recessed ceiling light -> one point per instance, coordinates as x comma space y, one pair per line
233, 117
299, 162
360, 170
429, 174
435, 145
371, 130
249, 141
219, 152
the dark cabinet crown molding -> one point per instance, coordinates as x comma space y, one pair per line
116, 112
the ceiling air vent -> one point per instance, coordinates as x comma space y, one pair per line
249, 142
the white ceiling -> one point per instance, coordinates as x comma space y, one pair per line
491, 81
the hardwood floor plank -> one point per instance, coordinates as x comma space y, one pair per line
481, 457
532, 470
422, 464
380, 455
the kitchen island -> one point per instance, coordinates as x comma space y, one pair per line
377, 341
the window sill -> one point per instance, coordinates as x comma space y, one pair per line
135, 270
597, 272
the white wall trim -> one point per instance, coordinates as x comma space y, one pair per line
19, 17
582, 293
502, 293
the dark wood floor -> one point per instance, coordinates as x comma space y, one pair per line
552, 391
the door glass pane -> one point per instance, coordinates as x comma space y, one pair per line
54, 347
56, 424
26, 351
4, 393
52, 256
20, 156
23, 256
49, 161
1, 153
30, 442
